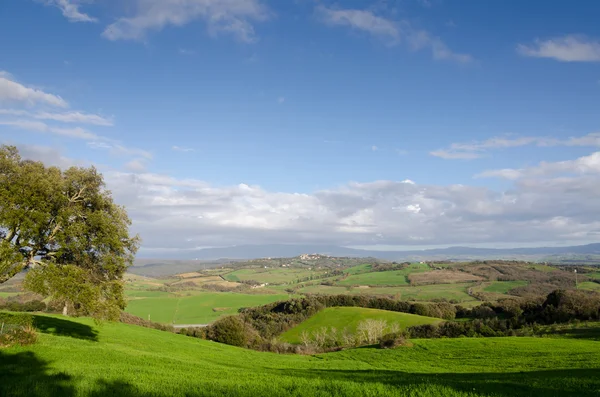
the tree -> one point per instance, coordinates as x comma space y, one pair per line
63, 227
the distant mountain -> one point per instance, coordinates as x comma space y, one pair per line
462, 253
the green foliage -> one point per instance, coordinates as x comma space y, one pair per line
133, 361
16, 329
64, 226
348, 318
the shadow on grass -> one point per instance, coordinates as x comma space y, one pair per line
591, 333
61, 327
23, 374
563, 383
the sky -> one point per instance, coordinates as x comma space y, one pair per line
379, 124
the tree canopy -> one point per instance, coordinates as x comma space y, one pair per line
64, 228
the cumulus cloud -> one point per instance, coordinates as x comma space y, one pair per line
570, 48
222, 16
170, 213
11, 91
70, 10
392, 31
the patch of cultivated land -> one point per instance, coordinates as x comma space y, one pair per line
391, 277
502, 287
441, 277
203, 308
271, 276
420, 293
82, 359
589, 285
349, 317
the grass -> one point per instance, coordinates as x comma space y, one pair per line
420, 293
502, 287
589, 285
8, 294
196, 309
271, 275
393, 277
123, 360
350, 317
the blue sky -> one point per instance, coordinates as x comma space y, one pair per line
397, 123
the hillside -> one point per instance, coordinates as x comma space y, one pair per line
81, 359
348, 318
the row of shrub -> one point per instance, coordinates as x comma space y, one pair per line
258, 327
128, 318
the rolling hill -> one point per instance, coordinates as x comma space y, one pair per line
75, 357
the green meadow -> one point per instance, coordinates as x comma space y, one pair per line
349, 318
202, 308
75, 357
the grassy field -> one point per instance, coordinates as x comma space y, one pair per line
421, 293
350, 317
81, 359
590, 285
8, 294
502, 287
202, 308
394, 277
271, 276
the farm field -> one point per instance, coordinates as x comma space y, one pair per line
81, 359
590, 285
202, 308
359, 275
271, 276
422, 293
349, 317
502, 287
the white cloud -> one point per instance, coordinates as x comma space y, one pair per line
571, 48
281, 100
361, 20
38, 126
75, 117
12, 91
136, 165
68, 117
392, 31
170, 213
478, 149
374, 148
229, 16
583, 165
182, 149
70, 10
118, 149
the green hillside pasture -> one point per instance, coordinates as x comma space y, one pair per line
202, 308
349, 318
146, 294
8, 294
394, 277
420, 293
589, 285
359, 269
271, 275
80, 359
503, 287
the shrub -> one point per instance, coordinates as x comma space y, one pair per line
16, 329
135, 320
393, 340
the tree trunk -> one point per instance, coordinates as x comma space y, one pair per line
65, 310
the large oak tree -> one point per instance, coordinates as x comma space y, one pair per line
63, 227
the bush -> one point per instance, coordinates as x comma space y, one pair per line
233, 331
394, 340
16, 329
